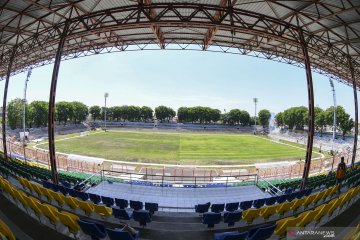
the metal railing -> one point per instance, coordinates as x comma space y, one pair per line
268, 186
179, 181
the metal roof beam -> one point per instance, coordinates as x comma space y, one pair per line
159, 35
211, 33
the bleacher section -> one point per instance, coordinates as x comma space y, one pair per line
77, 214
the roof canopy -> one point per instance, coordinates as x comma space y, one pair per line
271, 29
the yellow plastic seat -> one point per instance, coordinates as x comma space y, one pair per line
33, 203
250, 214
334, 204
20, 196
37, 189
283, 224
319, 196
297, 203
46, 192
87, 207
70, 221
105, 211
59, 197
50, 212
6, 232
28, 185
283, 207
334, 190
71, 202
266, 212
306, 218
22, 182
321, 210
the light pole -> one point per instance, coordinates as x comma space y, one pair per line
255, 101
24, 111
106, 95
334, 99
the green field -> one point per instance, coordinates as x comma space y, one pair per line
177, 148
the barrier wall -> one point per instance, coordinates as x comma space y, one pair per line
168, 171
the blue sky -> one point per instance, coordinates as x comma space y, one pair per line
181, 78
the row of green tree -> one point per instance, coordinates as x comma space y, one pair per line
37, 113
296, 118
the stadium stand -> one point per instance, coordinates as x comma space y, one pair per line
62, 208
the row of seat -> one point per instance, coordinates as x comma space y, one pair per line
5, 232
88, 208
267, 213
97, 199
320, 215
216, 208
260, 232
62, 221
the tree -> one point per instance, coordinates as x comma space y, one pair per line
244, 118
164, 113
80, 112
183, 114
64, 112
320, 120
343, 121
146, 113
38, 113
279, 118
95, 112
14, 113
264, 117
234, 116
295, 117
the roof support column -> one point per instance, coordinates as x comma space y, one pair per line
356, 112
8, 72
311, 115
51, 116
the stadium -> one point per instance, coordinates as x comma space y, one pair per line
69, 171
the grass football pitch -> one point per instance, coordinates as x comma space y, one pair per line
177, 148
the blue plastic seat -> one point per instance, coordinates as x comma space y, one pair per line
63, 190
246, 205
116, 234
202, 208
71, 192
219, 207
66, 184
230, 236
259, 203
82, 195
136, 205
121, 203
94, 198
308, 192
232, 217
291, 196
121, 213
288, 191
261, 232
230, 207
151, 207
281, 199
47, 184
270, 201
108, 201
141, 216
211, 219
95, 230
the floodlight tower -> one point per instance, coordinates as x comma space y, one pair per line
24, 105
334, 99
106, 95
255, 101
